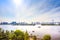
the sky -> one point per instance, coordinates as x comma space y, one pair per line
29, 10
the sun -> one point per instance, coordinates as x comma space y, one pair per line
17, 2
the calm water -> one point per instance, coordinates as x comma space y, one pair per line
39, 31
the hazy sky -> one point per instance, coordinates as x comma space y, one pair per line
29, 10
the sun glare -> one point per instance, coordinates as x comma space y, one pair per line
17, 2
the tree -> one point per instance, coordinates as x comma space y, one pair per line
0, 33
19, 35
12, 36
3, 35
47, 37
6, 35
26, 36
0, 30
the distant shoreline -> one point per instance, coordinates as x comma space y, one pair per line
32, 24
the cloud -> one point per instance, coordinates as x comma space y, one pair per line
49, 16
32, 10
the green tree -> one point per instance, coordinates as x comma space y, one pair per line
26, 36
6, 35
3, 35
19, 35
11, 35
0, 30
47, 37
0, 33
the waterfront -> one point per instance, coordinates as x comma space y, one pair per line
39, 30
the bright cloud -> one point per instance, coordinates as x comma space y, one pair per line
30, 10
